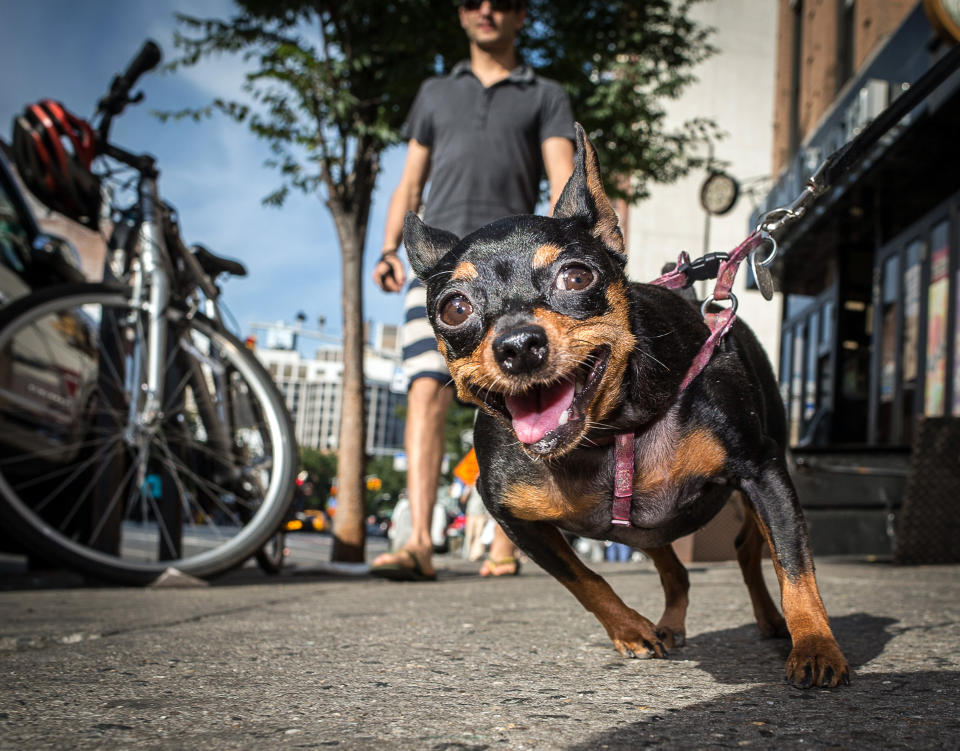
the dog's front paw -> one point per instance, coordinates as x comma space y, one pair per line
637, 637
817, 661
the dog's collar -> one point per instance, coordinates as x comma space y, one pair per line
623, 459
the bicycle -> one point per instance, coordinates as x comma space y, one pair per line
137, 434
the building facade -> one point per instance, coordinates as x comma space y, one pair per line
869, 360
735, 89
312, 389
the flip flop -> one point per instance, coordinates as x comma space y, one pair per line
490, 564
400, 573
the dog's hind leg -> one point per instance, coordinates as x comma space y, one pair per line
676, 584
816, 659
749, 544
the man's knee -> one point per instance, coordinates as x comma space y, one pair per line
427, 392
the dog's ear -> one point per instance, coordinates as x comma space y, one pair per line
583, 198
425, 245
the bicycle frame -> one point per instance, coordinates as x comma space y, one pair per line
152, 282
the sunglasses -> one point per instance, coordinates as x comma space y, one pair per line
503, 6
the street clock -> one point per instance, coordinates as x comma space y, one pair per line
944, 16
718, 193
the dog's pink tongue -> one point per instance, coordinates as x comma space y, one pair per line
538, 411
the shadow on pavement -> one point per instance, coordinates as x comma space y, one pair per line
885, 710
878, 710
740, 655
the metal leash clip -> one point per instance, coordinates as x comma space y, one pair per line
711, 300
761, 268
774, 221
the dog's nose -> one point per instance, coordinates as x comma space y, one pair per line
521, 350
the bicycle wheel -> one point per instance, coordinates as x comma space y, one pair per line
271, 557
90, 477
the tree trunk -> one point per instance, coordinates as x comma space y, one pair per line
349, 528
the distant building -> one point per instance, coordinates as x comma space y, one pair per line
313, 388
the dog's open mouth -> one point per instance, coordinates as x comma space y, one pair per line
545, 417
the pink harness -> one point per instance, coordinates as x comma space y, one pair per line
718, 323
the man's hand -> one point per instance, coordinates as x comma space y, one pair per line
388, 273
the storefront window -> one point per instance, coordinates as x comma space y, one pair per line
911, 312
889, 308
810, 388
796, 385
938, 294
911, 336
826, 324
785, 350
824, 366
796, 304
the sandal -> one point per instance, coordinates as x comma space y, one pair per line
490, 566
399, 572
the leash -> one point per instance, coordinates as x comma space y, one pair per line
724, 266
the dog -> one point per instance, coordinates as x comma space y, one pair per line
544, 333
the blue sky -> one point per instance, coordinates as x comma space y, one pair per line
211, 171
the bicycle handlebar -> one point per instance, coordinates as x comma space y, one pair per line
112, 104
118, 97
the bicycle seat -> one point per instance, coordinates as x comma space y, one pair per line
214, 264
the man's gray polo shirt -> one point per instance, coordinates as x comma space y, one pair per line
484, 143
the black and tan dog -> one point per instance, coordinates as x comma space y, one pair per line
542, 330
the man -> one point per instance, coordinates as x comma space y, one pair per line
480, 135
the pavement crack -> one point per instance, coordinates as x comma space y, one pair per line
27, 642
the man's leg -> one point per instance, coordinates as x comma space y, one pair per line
427, 403
502, 559
472, 531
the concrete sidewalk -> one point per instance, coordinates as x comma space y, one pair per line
467, 663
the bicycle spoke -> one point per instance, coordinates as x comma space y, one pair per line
172, 399
171, 467
209, 485
12, 461
40, 506
113, 502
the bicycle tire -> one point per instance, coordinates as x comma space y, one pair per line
272, 556
119, 501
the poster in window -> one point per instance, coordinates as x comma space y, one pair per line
938, 296
911, 312
796, 389
810, 396
956, 353
888, 329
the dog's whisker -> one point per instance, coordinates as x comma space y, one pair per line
646, 354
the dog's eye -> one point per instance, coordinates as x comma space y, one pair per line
574, 278
455, 310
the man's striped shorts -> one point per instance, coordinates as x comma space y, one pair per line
421, 358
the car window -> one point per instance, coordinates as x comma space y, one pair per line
14, 235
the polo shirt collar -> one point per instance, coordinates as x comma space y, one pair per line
521, 74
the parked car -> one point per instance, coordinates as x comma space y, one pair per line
310, 520
29, 258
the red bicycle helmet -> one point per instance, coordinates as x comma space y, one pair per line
53, 150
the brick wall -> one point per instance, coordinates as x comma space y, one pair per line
873, 22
